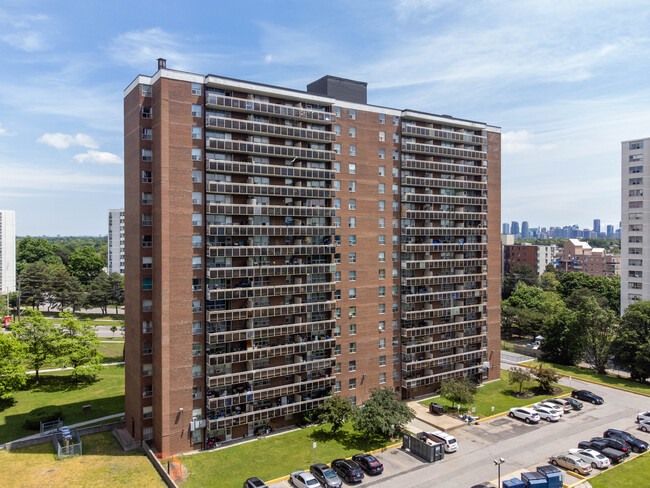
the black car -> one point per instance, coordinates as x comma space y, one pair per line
348, 470
368, 463
636, 444
254, 483
587, 396
575, 404
599, 443
614, 455
326, 475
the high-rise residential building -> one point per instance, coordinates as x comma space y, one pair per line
514, 227
7, 251
610, 230
538, 257
116, 240
596, 225
524, 230
635, 222
505, 228
283, 246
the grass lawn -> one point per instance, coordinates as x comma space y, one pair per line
112, 351
274, 457
106, 397
589, 374
103, 464
497, 394
632, 474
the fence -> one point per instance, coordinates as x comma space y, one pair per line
32, 441
67, 443
162, 471
48, 428
421, 449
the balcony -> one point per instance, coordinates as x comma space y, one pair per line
272, 150
444, 231
270, 352
269, 210
259, 169
265, 108
424, 296
444, 279
442, 360
443, 344
438, 215
268, 190
261, 374
301, 328
439, 312
244, 250
444, 246
443, 183
261, 271
426, 133
271, 291
431, 149
444, 199
435, 166
270, 311
270, 230
439, 377
265, 129
427, 330
442, 263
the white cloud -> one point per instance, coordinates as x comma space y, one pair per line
29, 177
21, 31
28, 41
98, 157
521, 141
63, 141
3, 131
268, 58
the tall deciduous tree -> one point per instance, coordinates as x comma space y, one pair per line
564, 341
35, 283
598, 326
30, 250
78, 347
458, 390
631, 344
519, 272
116, 285
84, 263
40, 338
12, 371
382, 414
336, 410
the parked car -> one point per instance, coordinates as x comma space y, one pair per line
570, 462
562, 402
575, 404
451, 445
254, 483
644, 425
303, 479
643, 416
587, 396
527, 414
326, 475
614, 455
636, 444
596, 459
548, 414
600, 443
348, 470
552, 406
368, 463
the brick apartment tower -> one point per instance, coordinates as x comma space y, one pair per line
283, 246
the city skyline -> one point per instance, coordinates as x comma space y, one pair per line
549, 75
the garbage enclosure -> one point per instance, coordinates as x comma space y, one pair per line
422, 449
436, 408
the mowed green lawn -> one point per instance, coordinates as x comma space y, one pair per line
589, 374
112, 351
103, 463
105, 396
274, 457
633, 474
497, 394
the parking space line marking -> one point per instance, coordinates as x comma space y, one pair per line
399, 463
287, 484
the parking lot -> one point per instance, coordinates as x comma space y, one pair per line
523, 446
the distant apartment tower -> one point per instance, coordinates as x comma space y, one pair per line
610, 230
635, 221
524, 230
505, 228
514, 227
597, 225
284, 246
535, 256
116, 241
7, 251
580, 256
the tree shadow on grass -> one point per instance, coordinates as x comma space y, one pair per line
7, 403
52, 384
350, 440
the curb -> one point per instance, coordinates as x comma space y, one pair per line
619, 464
589, 381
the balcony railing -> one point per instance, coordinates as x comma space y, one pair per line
437, 215
262, 374
271, 291
270, 352
443, 183
260, 271
443, 344
426, 133
301, 328
443, 295
434, 362
244, 250
259, 169
432, 313
241, 104
272, 150
270, 311
444, 279
444, 231
435, 166
443, 199
268, 190
262, 128
442, 263
442, 246
270, 230
453, 152
427, 330
270, 210
439, 377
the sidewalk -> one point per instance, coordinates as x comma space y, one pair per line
69, 368
439, 422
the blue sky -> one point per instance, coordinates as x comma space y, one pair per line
566, 81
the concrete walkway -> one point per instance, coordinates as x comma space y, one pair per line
69, 368
438, 422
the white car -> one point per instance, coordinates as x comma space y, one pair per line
643, 416
551, 406
596, 459
303, 479
547, 414
644, 425
451, 445
524, 413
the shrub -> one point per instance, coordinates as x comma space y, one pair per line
42, 414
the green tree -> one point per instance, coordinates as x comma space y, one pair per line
545, 377
66, 291
382, 414
631, 343
78, 347
597, 322
113, 330
458, 390
12, 371
518, 376
35, 283
518, 272
564, 341
40, 338
548, 281
100, 293
116, 286
84, 263
524, 311
30, 250
336, 410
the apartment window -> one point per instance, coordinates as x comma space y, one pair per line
635, 274
382, 378
337, 111
636, 204
395, 189
382, 188
352, 384
395, 341
353, 150
635, 286
337, 330
196, 154
635, 262
353, 132
382, 240
337, 276
337, 387
636, 228
337, 222
382, 361
337, 130
337, 315
352, 168
147, 284
197, 242
395, 375
395, 257
197, 327
197, 219
395, 223
147, 220
196, 133
337, 148
382, 308
352, 275
636, 250
636, 193
352, 257
395, 138
352, 312
382, 222
352, 366
196, 110
353, 347
352, 293
382, 257
382, 171
146, 90
382, 291
353, 114
382, 325
395, 206
636, 181
147, 155
395, 324
147, 241
395, 155
197, 350
197, 284
352, 222
395, 120
352, 240
395, 240
337, 368
352, 204
146, 112
636, 239
382, 205
147, 392
197, 176
197, 198
636, 157
147, 134
147, 348
382, 274
196, 88
197, 262
337, 240
336, 185
146, 176
147, 369
382, 136
353, 329
147, 305
197, 393
636, 169
352, 186
382, 154
394, 273
636, 145
337, 203
382, 118
382, 343
196, 371
395, 358
147, 198
337, 350
147, 326
196, 306
337, 166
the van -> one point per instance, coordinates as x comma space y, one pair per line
450, 441
430, 439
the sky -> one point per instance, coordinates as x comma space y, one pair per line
566, 81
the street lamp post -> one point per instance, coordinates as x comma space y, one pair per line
498, 463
